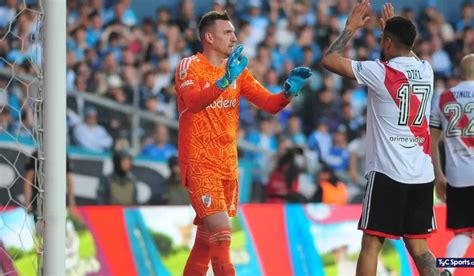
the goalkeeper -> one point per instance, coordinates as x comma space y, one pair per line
209, 86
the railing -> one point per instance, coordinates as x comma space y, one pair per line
137, 115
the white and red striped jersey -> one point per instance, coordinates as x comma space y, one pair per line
453, 112
398, 109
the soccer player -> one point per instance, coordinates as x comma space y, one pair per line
453, 115
399, 193
209, 85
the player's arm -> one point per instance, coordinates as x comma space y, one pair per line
194, 96
273, 103
333, 59
197, 98
436, 132
253, 91
440, 179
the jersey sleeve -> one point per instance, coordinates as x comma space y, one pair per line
370, 73
435, 115
253, 91
188, 87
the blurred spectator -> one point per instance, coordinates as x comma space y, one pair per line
120, 187
305, 40
467, 17
462, 46
283, 183
115, 122
90, 135
7, 13
122, 13
258, 23
272, 83
357, 149
294, 132
6, 119
320, 139
31, 188
326, 108
338, 156
176, 193
330, 189
350, 122
440, 59
78, 44
160, 149
186, 18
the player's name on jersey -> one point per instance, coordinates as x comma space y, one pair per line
463, 94
414, 74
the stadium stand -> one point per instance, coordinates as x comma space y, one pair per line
121, 60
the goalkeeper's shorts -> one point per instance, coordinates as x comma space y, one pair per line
210, 195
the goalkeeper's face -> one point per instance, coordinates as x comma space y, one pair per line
224, 37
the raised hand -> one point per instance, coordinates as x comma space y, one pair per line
358, 17
296, 80
236, 64
387, 13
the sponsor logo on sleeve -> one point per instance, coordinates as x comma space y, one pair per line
186, 83
182, 74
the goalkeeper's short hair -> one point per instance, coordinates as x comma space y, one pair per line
210, 19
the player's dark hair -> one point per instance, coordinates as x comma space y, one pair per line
401, 31
210, 19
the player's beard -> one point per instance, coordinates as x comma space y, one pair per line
382, 55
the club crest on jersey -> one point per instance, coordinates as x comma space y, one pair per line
207, 200
182, 74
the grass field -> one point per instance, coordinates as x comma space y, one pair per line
27, 264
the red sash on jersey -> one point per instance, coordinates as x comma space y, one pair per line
393, 80
446, 98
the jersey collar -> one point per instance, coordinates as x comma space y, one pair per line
402, 59
206, 61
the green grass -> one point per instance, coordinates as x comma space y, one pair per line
27, 265
174, 263
391, 260
86, 245
238, 240
330, 270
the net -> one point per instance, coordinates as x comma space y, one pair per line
21, 137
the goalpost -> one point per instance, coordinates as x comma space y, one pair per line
54, 136
33, 99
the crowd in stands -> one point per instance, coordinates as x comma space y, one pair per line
319, 137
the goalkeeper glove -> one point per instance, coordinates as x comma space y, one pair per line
236, 64
296, 80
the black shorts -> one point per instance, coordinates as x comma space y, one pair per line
392, 209
460, 209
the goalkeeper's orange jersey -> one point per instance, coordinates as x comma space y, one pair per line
209, 117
